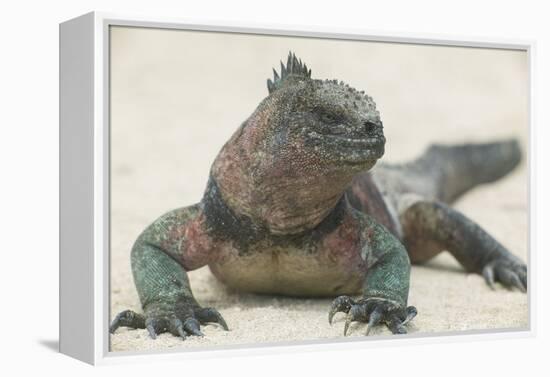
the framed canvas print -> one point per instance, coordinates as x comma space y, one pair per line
229, 188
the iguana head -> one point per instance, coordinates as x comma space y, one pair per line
291, 160
326, 122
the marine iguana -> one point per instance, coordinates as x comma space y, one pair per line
292, 207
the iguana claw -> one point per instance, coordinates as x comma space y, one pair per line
152, 327
192, 326
373, 311
340, 304
508, 272
176, 327
127, 318
374, 319
211, 315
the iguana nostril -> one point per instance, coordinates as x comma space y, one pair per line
369, 127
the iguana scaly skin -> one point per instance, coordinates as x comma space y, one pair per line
291, 208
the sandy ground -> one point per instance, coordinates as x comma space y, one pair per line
178, 96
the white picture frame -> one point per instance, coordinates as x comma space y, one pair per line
84, 184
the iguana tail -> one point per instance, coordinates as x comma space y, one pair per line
458, 168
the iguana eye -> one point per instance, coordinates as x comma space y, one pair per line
329, 118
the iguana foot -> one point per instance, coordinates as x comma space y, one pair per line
178, 322
509, 272
373, 311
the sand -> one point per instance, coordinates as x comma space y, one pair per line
178, 96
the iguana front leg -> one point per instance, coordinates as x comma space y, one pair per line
386, 285
430, 227
160, 257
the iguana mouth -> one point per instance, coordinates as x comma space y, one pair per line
351, 149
